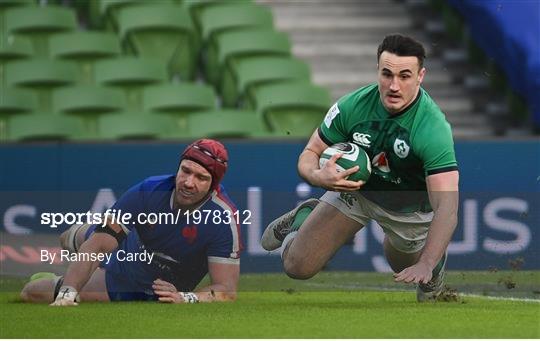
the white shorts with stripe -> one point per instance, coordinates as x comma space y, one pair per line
407, 232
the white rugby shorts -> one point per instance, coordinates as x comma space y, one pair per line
407, 232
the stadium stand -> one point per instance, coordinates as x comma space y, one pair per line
88, 103
14, 101
120, 66
178, 101
7, 4
162, 32
107, 14
42, 76
38, 23
230, 46
173, 59
131, 75
85, 48
134, 125
250, 72
12, 49
221, 18
43, 126
291, 108
227, 123
196, 6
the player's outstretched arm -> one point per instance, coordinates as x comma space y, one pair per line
444, 198
78, 273
224, 283
327, 177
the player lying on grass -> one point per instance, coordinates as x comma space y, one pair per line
183, 253
413, 189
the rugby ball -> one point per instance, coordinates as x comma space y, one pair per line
353, 155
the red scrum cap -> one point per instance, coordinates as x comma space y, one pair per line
210, 154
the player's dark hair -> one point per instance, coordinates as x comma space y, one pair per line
402, 46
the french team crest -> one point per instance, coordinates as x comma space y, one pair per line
190, 233
401, 148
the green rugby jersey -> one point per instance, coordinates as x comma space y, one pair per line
404, 148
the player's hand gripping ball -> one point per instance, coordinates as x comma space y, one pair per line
353, 155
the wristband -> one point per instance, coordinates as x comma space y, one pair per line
189, 297
68, 293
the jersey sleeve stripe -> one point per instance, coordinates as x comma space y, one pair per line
222, 260
235, 228
442, 170
324, 138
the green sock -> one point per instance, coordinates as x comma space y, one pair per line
439, 266
300, 217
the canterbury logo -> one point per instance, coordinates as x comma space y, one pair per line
362, 139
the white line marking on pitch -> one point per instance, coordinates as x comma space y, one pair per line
374, 288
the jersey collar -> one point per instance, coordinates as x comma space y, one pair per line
406, 108
208, 197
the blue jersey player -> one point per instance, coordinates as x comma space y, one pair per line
181, 227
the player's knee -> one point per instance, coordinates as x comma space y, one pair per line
296, 269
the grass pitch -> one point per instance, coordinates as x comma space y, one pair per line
331, 305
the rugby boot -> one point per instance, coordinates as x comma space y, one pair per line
278, 229
432, 289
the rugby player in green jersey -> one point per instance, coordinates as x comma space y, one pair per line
413, 189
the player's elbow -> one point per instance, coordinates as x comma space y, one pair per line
224, 296
230, 296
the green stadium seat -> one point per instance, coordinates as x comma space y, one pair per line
85, 48
43, 126
292, 108
7, 4
14, 101
41, 75
161, 32
88, 103
13, 48
250, 72
94, 14
196, 6
216, 19
134, 126
39, 23
179, 100
226, 124
108, 11
131, 75
229, 46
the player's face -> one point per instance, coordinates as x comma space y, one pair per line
192, 183
399, 80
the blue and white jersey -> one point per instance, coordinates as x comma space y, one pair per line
181, 247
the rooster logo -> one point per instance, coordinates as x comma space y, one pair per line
190, 233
